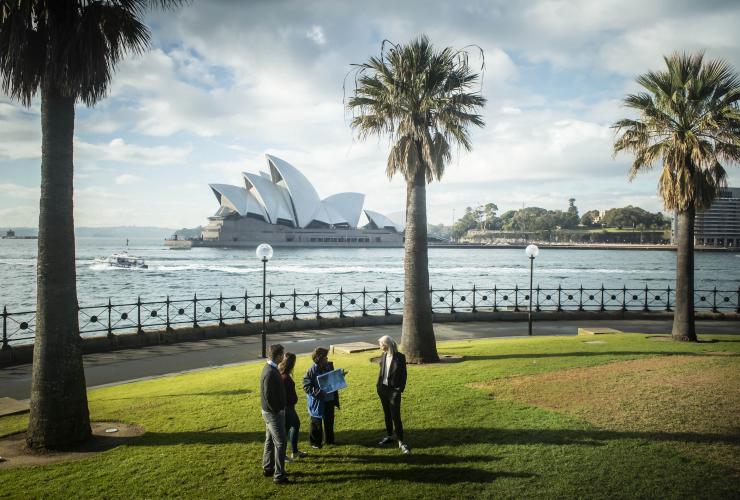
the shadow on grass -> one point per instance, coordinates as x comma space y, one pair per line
425, 474
585, 353
234, 392
448, 437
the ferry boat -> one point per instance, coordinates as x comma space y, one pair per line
123, 260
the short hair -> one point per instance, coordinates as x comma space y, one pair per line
287, 364
390, 342
274, 351
318, 353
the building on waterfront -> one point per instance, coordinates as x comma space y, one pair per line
281, 207
720, 224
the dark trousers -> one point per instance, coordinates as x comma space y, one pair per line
391, 401
293, 426
316, 433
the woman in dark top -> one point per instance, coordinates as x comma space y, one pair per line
391, 384
292, 422
320, 404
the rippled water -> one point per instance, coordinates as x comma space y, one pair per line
210, 271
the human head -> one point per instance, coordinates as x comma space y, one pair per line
287, 364
320, 354
389, 343
275, 353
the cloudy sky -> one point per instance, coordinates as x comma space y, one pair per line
227, 82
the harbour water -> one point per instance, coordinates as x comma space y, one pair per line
210, 271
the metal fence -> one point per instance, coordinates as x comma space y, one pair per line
108, 319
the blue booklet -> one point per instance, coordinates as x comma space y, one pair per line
332, 381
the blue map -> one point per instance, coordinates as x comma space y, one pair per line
332, 381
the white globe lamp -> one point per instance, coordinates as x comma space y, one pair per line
264, 252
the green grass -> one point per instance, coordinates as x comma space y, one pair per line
204, 434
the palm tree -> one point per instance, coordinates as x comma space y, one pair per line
689, 119
421, 99
65, 50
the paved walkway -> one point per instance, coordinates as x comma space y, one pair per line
132, 364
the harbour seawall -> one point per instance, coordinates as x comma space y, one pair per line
23, 354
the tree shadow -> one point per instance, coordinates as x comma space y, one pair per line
233, 392
422, 439
424, 474
582, 354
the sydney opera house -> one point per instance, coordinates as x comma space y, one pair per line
281, 207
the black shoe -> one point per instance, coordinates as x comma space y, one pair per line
281, 480
385, 440
268, 473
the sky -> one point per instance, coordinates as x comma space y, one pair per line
226, 82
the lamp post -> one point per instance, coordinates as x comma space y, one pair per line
531, 251
264, 253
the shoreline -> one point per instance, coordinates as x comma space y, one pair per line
602, 246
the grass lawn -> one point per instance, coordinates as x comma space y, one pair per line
617, 416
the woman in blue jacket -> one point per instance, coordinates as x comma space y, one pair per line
320, 404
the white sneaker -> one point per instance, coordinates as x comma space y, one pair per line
385, 440
404, 448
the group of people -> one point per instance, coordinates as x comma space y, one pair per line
279, 399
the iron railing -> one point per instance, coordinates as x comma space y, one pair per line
108, 319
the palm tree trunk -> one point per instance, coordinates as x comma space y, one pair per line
683, 319
59, 413
417, 333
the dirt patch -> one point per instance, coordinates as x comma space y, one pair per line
697, 396
14, 452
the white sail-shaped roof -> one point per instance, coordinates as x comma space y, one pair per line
305, 199
381, 221
327, 215
273, 198
238, 200
348, 205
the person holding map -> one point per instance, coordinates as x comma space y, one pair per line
391, 384
321, 404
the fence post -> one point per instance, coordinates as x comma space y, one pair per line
387, 312
537, 302
624, 297
341, 303
318, 297
364, 311
220, 309
246, 302
6, 345
295, 314
602, 298
452, 300
495, 303
195, 310
139, 330
560, 306
110, 326
714, 300
269, 297
668, 298
516, 298
645, 307
167, 302
580, 299
738, 300
474, 299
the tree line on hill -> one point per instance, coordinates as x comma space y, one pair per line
531, 219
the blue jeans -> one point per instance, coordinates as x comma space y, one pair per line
273, 458
293, 426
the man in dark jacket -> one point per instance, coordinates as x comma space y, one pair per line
390, 386
272, 392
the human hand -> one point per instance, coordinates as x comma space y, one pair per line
344, 372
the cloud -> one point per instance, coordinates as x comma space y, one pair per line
127, 179
19, 192
316, 34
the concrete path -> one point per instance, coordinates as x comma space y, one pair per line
133, 364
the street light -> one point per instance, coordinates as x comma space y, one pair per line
531, 251
264, 253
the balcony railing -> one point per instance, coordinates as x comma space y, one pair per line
18, 327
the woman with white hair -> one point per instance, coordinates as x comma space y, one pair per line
391, 383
